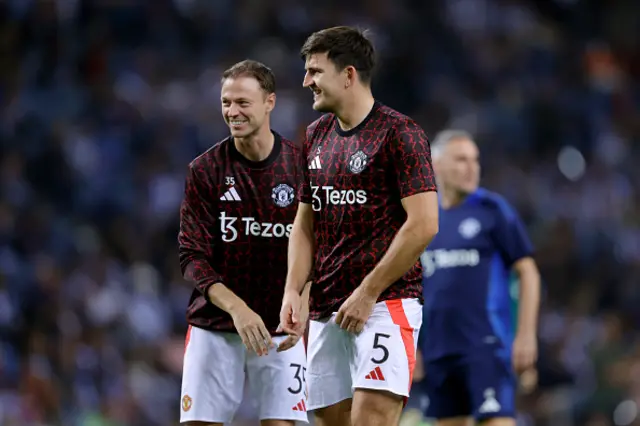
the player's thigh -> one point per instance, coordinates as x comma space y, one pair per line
328, 359
385, 351
338, 414
278, 382
493, 387
385, 357
448, 391
374, 407
212, 376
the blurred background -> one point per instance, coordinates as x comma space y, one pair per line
104, 103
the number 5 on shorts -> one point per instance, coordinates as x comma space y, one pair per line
378, 345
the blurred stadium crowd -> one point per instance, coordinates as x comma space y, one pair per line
105, 102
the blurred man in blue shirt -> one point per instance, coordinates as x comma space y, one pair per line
471, 351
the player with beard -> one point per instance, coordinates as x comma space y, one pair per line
235, 218
368, 208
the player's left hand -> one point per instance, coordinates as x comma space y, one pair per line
525, 352
355, 311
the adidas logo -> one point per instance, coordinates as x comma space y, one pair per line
230, 195
490, 404
375, 374
300, 406
315, 163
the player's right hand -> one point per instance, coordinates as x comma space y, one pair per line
288, 343
290, 321
252, 330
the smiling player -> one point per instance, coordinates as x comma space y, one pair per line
368, 208
236, 216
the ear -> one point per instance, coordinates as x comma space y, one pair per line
271, 101
352, 76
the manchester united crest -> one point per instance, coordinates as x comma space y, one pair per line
283, 195
186, 403
358, 162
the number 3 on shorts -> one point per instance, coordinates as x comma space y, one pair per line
378, 344
299, 377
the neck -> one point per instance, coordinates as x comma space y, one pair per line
355, 109
257, 146
450, 197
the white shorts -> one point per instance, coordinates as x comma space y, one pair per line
213, 377
382, 357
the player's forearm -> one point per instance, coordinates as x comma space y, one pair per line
403, 253
197, 270
301, 253
529, 300
225, 299
194, 239
306, 293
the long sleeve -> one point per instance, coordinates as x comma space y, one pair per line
196, 239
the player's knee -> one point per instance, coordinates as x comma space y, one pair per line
337, 414
498, 421
202, 424
375, 408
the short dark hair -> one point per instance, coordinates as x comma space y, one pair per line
253, 69
344, 46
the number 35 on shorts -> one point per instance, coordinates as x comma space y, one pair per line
299, 379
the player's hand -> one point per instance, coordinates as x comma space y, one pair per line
293, 318
528, 381
289, 342
252, 330
525, 352
355, 311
